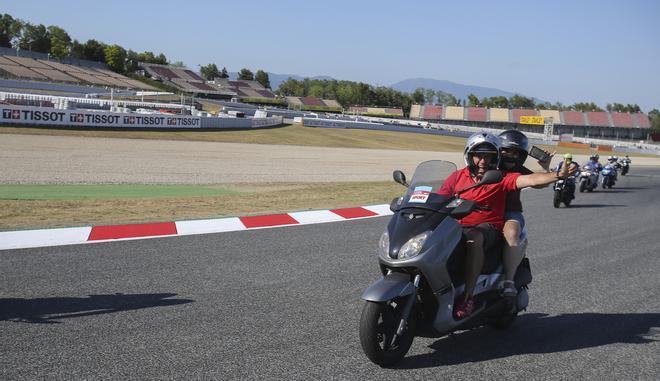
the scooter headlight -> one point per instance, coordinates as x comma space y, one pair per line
413, 246
384, 244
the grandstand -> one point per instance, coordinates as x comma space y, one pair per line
313, 104
388, 112
244, 89
185, 80
34, 69
589, 124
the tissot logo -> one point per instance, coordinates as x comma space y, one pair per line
11, 114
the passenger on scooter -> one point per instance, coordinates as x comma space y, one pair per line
570, 180
484, 228
514, 153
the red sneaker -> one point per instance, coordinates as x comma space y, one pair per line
464, 309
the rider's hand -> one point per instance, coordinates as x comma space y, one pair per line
569, 170
546, 164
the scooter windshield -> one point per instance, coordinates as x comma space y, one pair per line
428, 178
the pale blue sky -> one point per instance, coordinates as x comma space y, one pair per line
567, 51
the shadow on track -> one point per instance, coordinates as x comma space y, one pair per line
576, 206
539, 333
48, 310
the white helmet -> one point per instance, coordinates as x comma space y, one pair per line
481, 142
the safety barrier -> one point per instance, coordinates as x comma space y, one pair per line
44, 116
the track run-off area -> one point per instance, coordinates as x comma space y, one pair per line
284, 303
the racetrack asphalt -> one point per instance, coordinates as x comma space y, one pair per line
284, 303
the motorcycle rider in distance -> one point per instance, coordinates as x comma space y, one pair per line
484, 228
570, 180
594, 163
514, 153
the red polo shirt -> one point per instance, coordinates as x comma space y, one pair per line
490, 195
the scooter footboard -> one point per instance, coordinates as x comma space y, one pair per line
391, 286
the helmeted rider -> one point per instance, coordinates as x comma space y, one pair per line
515, 146
570, 180
594, 163
484, 228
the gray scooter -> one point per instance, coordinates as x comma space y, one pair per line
421, 257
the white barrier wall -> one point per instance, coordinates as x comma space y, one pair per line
44, 116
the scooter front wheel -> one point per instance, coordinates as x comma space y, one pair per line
378, 326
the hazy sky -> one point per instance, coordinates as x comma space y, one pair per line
567, 51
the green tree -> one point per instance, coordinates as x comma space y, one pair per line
418, 96
115, 56
34, 38
10, 30
178, 64
473, 100
209, 72
262, 78
60, 42
654, 118
429, 96
518, 101
94, 51
246, 75
223, 73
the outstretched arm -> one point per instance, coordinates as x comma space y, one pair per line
542, 179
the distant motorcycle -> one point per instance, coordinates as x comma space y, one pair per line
588, 179
609, 176
625, 167
563, 192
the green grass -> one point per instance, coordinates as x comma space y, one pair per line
106, 191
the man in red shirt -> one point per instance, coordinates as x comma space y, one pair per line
483, 228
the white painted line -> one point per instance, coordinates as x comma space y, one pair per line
209, 226
383, 209
43, 237
316, 216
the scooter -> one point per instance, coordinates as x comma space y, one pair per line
625, 167
609, 176
588, 179
421, 257
564, 191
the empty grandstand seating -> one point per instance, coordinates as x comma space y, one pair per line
311, 101
477, 114
295, 101
432, 112
598, 118
415, 112
53, 71
574, 118
554, 114
516, 113
455, 113
622, 119
642, 120
499, 115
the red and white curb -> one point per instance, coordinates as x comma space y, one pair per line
90, 234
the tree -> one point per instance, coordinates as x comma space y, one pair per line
518, 101
209, 72
246, 75
10, 30
473, 100
60, 42
654, 118
34, 38
178, 64
262, 78
94, 51
115, 56
223, 73
429, 96
418, 96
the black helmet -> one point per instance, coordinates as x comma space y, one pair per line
515, 140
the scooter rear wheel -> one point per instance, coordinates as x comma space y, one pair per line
556, 200
504, 321
378, 326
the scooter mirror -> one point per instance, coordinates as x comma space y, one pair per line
399, 177
492, 177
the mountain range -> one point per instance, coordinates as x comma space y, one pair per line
459, 90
